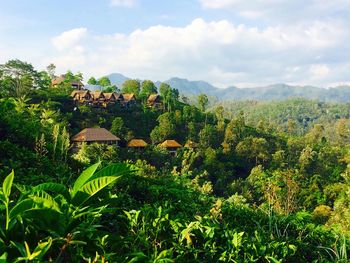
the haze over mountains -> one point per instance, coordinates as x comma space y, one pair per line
263, 93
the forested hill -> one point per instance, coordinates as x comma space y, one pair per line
263, 93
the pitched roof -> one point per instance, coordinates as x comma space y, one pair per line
96, 94
118, 96
94, 135
109, 95
152, 98
170, 144
137, 143
61, 79
128, 96
80, 92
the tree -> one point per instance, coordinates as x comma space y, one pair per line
170, 96
147, 88
164, 130
131, 86
92, 81
117, 126
51, 70
18, 78
253, 149
203, 102
104, 82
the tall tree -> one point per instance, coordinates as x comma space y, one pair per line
131, 86
104, 82
17, 78
147, 88
92, 81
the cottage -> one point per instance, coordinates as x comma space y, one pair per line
119, 97
109, 99
81, 96
171, 145
154, 101
98, 98
129, 99
95, 135
137, 144
76, 84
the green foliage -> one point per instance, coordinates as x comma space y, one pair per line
131, 86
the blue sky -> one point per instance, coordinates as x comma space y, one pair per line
224, 42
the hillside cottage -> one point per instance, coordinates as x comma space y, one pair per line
171, 145
95, 135
137, 144
76, 84
154, 101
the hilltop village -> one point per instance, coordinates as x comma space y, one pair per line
100, 99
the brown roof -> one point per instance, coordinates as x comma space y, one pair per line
109, 95
137, 143
170, 144
94, 135
96, 94
153, 98
61, 79
118, 96
128, 96
80, 92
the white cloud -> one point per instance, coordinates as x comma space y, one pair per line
69, 38
281, 10
319, 71
219, 52
126, 3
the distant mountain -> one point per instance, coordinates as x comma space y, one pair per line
265, 93
117, 79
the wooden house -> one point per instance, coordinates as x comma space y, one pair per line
129, 100
171, 145
81, 96
119, 98
154, 101
76, 84
98, 98
110, 99
137, 144
95, 135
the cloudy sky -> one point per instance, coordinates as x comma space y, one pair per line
225, 42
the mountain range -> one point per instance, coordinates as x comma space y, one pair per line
264, 93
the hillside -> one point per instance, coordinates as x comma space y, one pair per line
275, 92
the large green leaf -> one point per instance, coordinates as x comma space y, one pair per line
93, 187
117, 169
45, 201
21, 208
84, 177
7, 185
52, 187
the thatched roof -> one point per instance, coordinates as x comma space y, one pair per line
118, 96
109, 95
153, 98
94, 135
137, 143
170, 144
128, 96
80, 92
97, 94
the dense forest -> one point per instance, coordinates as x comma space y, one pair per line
254, 182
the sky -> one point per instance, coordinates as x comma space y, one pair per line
224, 42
